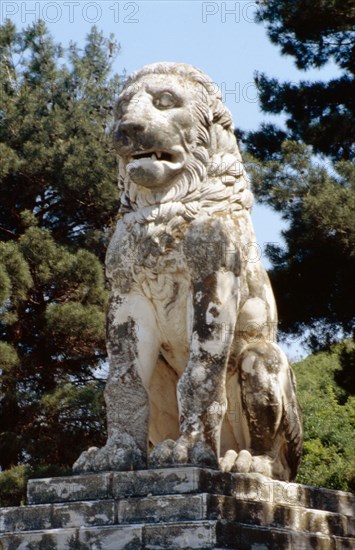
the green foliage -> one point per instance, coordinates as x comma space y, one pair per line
55, 134
312, 271
345, 377
313, 31
329, 422
318, 113
8, 357
13, 482
58, 203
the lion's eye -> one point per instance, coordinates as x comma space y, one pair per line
166, 100
122, 106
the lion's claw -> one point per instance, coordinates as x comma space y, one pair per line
182, 452
244, 463
85, 461
162, 454
201, 454
111, 457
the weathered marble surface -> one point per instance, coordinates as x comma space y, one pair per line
194, 365
177, 508
186, 480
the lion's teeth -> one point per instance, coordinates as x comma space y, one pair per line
158, 154
154, 157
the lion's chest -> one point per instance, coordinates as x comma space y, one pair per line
155, 255
166, 265
150, 261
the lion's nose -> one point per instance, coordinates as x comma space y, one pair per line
129, 129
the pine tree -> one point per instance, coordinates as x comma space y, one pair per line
319, 113
312, 272
305, 172
58, 201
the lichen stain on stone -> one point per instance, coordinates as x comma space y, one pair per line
122, 338
206, 290
213, 311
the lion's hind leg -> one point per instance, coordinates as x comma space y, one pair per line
270, 408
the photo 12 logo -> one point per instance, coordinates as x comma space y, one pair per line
69, 12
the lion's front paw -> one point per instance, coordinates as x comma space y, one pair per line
182, 452
111, 457
85, 462
162, 454
244, 463
201, 454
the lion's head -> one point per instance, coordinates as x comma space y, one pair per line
175, 141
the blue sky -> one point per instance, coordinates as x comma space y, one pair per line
221, 38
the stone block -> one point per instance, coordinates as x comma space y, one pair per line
173, 536
69, 488
53, 539
170, 508
341, 543
251, 537
25, 518
331, 500
128, 537
258, 488
245, 537
78, 514
295, 518
156, 509
168, 481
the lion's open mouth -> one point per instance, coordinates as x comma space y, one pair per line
155, 167
154, 155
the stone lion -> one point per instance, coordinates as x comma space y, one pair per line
195, 371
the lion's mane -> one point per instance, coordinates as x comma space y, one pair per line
214, 180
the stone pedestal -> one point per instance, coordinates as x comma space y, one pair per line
177, 508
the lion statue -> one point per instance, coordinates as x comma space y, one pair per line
196, 376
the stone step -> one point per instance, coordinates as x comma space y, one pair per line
172, 508
185, 480
249, 537
173, 536
216, 507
